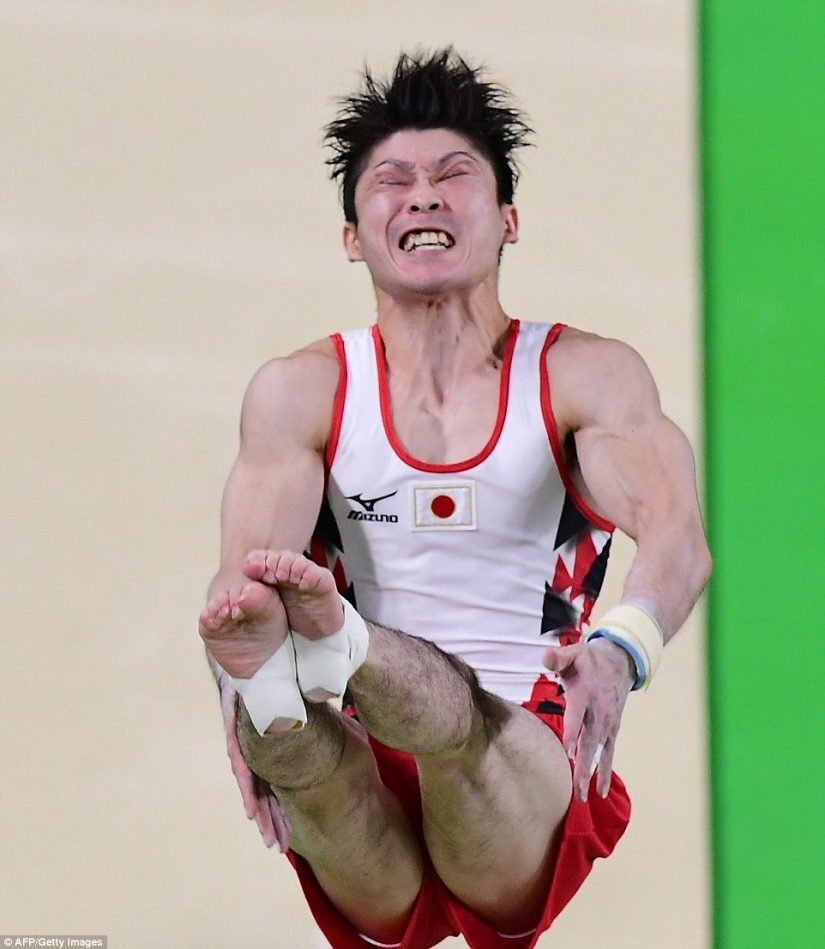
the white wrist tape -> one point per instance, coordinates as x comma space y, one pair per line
272, 695
636, 631
326, 665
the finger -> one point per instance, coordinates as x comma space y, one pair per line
263, 819
263, 816
228, 705
268, 835
243, 775
248, 796
283, 829
590, 747
597, 756
560, 659
280, 825
246, 784
267, 829
605, 774
574, 713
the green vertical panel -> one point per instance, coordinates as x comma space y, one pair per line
763, 93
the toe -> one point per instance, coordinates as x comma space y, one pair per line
254, 566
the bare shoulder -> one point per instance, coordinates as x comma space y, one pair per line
293, 396
593, 376
577, 351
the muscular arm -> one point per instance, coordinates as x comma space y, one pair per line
636, 468
272, 499
274, 491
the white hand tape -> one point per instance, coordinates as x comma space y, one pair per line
597, 757
272, 695
326, 665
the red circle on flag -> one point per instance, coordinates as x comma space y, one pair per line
442, 506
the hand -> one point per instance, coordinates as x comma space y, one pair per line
597, 677
260, 803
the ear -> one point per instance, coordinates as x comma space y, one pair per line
510, 220
352, 245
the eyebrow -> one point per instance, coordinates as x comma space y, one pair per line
410, 166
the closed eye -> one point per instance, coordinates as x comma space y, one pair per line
456, 171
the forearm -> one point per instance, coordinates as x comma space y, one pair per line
638, 469
275, 489
272, 508
668, 574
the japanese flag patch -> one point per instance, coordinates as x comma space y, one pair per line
441, 507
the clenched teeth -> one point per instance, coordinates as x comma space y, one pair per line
427, 239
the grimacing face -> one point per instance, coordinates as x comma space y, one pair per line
429, 221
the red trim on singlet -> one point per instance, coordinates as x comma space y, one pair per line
386, 409
317, 552
338, 404
555, 443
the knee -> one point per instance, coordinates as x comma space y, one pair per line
297, 759
485, 714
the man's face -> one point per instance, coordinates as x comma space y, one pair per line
429, 221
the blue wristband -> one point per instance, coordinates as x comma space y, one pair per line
638, 659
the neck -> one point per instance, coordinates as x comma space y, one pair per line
442, 336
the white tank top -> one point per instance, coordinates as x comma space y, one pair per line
492, 559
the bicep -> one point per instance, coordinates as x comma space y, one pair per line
637, 465
273, 506
636, 468
640, 477
274, 491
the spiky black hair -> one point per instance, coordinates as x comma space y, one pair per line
426, 91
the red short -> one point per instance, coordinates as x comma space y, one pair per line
590, 831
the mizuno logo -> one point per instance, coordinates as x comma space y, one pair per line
369, 513
370, 516
368, 504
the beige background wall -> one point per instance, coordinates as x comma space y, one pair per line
167, 226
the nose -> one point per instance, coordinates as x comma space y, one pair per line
432, 205
424, 197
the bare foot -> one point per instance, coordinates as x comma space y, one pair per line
243, 626
308, 591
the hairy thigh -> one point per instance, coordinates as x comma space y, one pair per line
492, 813
348, 827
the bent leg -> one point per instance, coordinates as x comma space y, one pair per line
495, 781
345, 823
